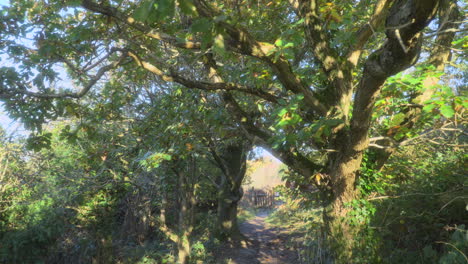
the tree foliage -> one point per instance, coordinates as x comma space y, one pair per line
333, 89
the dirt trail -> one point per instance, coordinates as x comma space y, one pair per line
266, 244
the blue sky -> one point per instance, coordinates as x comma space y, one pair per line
7, 123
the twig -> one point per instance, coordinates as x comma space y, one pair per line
411, 194
79, 94
442, 242
451, 201
451, 30
212, 180
397, 34
379, 146
401, 26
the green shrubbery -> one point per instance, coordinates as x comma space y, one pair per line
410, 211
425, 203
70, 204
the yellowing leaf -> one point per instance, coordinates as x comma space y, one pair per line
279, 42
318, 178
219, 41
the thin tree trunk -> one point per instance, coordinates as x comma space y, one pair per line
186, 205
183, 238
185, 221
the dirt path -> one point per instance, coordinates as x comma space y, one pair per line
265, 244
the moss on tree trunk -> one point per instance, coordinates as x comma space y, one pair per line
233, 161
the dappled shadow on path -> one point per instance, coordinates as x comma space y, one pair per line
264, 244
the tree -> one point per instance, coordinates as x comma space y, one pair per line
233, 164
300, 77
199, 126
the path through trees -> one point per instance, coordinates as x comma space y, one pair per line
264, 243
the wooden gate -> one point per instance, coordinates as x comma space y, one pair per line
259, 198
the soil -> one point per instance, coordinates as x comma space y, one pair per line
264, 244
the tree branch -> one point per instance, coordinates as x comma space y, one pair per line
211, 180
217, 158
146, 30
256, 135
91, 82
339, 75
317, 36
366, 31
241, 41
291, 157
207, 86
388, 60
453, 246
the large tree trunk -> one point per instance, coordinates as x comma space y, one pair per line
183, 237
401, 50
234, 161
227, 214
341, 191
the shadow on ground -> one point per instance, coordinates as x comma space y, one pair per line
264, 244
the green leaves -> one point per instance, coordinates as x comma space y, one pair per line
283, 44
361, 212
397, 119
461, 43
282, 48
279, 42
322, 129
39, 142
143, 10
429, 107
287, 116
187, 7
151, 11
218, 45
164, 8
403, 85
447, 111
208, 33
445, 102
154, 160
201, 25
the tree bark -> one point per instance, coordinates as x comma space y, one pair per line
227, 215
180, 233
234, 161
186, 201
404, 23
184, 221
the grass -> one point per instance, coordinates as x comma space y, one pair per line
302, 227
245, 214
